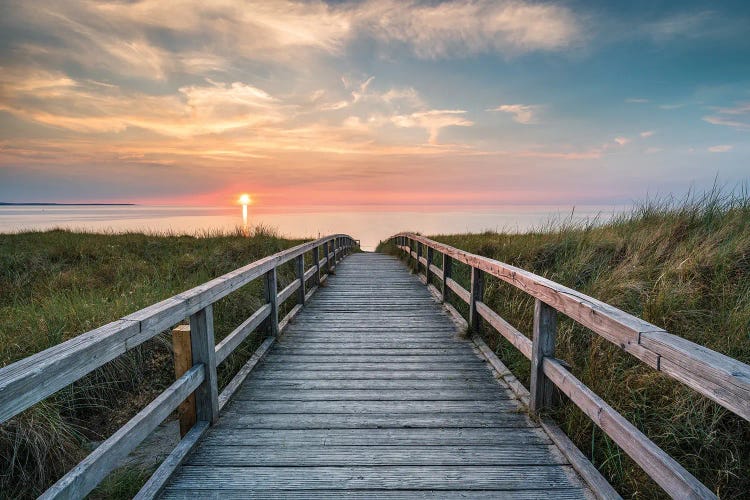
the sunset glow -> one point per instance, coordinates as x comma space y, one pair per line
244, 199
371, 103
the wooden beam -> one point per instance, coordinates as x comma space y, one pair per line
269, 289
543, 346
477, 295
301, 278
239, 334
204, 352
447, 265
183, 361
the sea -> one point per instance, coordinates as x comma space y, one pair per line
368, 224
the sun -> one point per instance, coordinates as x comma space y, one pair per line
245, 199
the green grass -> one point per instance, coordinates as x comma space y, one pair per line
58, 284
684, 266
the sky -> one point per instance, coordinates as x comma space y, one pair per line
377, 103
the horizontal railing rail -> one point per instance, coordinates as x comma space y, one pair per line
30, 380
723, 379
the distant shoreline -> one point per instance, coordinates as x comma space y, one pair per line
6, 204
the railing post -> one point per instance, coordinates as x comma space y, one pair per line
270, 290
327, 262
477, 295
301, 276
203, 350
447, 269
316, 258
545, 332
183, 361
419, 254
429, 263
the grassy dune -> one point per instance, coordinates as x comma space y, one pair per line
682, 266
58, 284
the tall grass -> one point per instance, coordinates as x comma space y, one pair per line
58, 284
683, 265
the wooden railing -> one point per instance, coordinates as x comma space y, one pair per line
718, 377
30, 380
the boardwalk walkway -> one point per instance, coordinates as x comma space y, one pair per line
371, 393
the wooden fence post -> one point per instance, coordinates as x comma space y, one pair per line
203, 351
327, 263
447, 269
301, 276
183, 361
477, 295
419, 254
316, 258
427, 271
270, 290
543, 345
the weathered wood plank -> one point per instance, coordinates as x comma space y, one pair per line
460, 291
518, 339
536, 494
242, 374
662, 468
545, 335
239, 334
337, 478
285, 394
375, 437
249, 455
91, 470
164, 472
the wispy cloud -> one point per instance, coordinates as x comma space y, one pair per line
522, 113
636, 100
433, 121
737, 117
622, 140
721, 148
647, 133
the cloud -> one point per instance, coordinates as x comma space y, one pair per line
721, 148
736, 117
433, 120
647, 133
636, 100
461, 27
671, 106
622, 140
522, 113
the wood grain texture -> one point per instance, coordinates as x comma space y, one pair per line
183, 361
371, 389
718, 377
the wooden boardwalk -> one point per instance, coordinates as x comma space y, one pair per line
372, 393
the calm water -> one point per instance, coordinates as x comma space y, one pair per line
364, 223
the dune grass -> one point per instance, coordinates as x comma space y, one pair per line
684, 266
58, 284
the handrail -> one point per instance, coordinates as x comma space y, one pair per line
723, 379
32, 379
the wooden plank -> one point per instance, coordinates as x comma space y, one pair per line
255, 393
466, 358
543, 346
284, 323
383, 367
242, 374
377, 420
436, 271
367, 407
91, 470
239, 334
518, 339
460, 291
719, 377
404, 477
287, 291
249, 455
473, 437
311, 272
537, 494
183, 361
164, 472
662, 468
